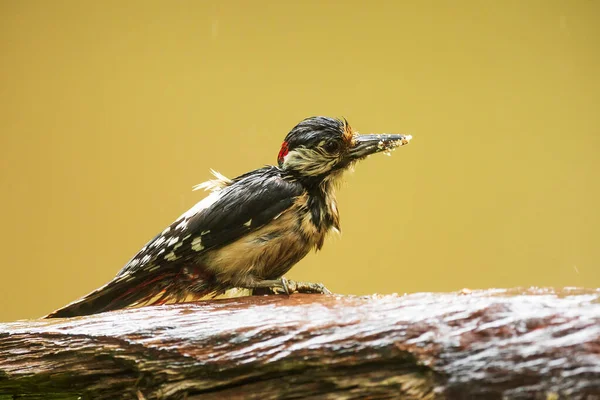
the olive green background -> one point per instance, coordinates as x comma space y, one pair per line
110, 111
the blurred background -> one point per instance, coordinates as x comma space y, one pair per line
111, 111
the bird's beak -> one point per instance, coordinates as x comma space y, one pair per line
364, 145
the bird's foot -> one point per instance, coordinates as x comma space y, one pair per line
267, 286
307, 287
284, 286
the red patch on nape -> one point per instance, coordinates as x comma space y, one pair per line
283, 152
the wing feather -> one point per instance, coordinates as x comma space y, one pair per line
243, 205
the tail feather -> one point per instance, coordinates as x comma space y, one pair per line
122, 292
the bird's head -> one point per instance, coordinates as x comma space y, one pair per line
319, 147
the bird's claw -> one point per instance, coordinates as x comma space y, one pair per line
288, 287
285, 286
307, 287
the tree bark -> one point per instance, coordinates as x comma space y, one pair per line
492, 344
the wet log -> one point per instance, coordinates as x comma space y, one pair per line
492, 344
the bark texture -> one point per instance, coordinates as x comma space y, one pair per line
493, 344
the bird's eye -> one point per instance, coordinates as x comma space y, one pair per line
332, 146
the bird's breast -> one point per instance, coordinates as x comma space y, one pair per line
266, 253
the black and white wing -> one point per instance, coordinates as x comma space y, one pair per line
230, 211
233, 209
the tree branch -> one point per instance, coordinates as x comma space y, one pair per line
490, 344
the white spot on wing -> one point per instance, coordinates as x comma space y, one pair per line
182, 225
171, 257
173, 241
197, 243
158, 242
248, 223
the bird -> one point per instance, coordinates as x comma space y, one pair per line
248, 231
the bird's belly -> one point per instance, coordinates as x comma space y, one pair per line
267, 253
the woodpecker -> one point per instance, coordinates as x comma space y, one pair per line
249, 231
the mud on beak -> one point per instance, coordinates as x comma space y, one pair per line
365, 145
